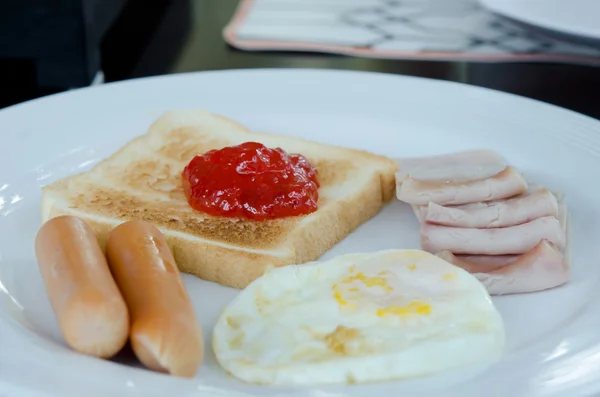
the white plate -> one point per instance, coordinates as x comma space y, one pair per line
573, 17
553, 337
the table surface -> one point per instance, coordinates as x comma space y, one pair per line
186, 36
575, 87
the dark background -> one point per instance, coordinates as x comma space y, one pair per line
153, 37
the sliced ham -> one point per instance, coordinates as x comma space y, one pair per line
420, 212
454, 167
506, 184
502, 213
563, 217
543, 267
499, 241
478, 263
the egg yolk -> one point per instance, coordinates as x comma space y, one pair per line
337, 295
368, 281
338, 339
376, 281
414, 308
448, 276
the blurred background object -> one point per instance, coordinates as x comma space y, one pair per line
574, 20
50, 46
455, 30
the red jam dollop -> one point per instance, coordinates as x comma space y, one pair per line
251, 181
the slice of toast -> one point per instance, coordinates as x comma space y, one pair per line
142, 180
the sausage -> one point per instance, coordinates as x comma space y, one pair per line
165, 334
91, 312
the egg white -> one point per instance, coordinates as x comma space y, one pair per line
358, 318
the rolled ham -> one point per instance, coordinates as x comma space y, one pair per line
463, 166
499, 241
420, 212
502, 213
478, 263
507, 183
543, 267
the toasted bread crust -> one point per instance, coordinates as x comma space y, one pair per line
238, 268
142, 181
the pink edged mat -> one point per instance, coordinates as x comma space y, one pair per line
395, 29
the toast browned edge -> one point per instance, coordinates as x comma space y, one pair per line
236, 267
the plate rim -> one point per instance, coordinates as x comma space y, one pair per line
192, 74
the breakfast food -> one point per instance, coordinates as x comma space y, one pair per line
469, 165
90, 310
507, 183
143, 181
492, 241
165, 334
481, 214
502, 213
538, 269
358, 318
251, 181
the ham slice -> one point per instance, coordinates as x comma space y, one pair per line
506, 184
420, 212
499, 241
502, 213
463, 166
543, 267
478, 263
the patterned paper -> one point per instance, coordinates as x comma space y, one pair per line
409, 29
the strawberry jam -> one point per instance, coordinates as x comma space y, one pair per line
251, 181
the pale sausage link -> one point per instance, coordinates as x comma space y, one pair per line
90, 310
165, 334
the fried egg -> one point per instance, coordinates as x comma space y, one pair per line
358, 318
